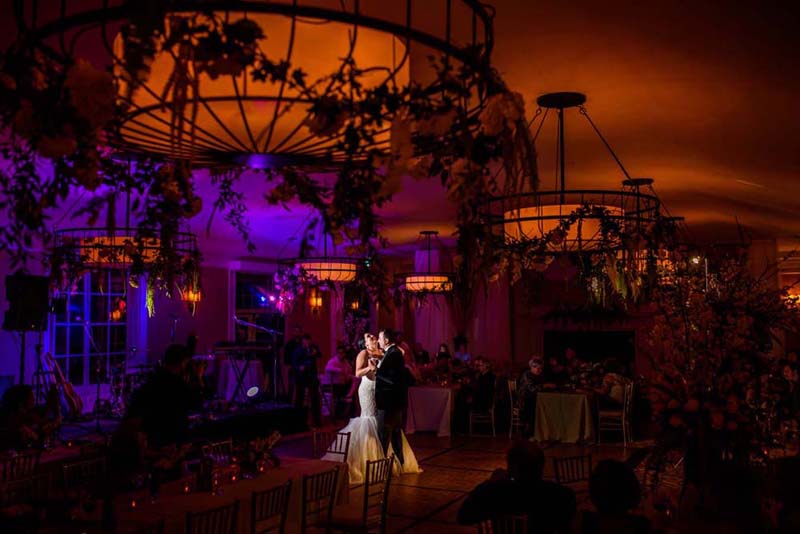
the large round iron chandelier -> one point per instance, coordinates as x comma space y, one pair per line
212, 113
569, 220
428, 276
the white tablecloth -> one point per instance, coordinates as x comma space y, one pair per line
564, 417
429, 408
227, 379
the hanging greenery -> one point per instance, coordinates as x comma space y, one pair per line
67, 113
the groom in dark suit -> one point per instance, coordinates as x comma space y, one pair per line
391, 393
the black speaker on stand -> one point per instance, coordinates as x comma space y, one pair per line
27, 297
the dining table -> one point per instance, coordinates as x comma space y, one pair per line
173, 502
430, 408
564, 416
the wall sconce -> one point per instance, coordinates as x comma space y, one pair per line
315, 300
354, 305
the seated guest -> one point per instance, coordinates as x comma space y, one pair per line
614, 490
21, 425
568, 369
164, 401
341, 374
484, 388
519, 489
530, 382
611, 393
443, 353
461, 353
422, 356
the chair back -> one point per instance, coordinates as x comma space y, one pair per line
268, 509
573, 469
29, 490
513, 400
319, 495
86, 477
376, 493
19, 465
28, 497
221, 520
627, 399
504, 524
220, 452
335, 443
150, 528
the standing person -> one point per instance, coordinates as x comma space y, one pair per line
164, 401
365, 441
339, 371
304, 362
391, 394
288, 355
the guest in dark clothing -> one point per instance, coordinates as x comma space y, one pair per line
304, 362
614, 490
421, 355
529, 384
483, 395
164, 401
21, 424
444, 353
289, 349
521, 490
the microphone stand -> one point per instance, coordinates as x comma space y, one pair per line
272, 334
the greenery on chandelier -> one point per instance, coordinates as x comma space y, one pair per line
67, 112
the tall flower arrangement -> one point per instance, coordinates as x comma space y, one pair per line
711, 349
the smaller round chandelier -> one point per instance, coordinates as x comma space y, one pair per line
121, 248
569, 220
337, 270
427, 276
326, 269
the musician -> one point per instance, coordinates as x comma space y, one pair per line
164, 401
304, 362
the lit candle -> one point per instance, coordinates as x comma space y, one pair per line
186, 487
133, 504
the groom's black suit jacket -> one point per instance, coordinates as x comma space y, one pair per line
391, 385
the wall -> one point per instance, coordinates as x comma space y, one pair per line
488, 329
210, 322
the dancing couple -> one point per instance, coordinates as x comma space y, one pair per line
383, 395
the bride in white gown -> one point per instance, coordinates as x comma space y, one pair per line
364, 441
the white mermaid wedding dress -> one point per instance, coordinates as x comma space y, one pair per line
364, 441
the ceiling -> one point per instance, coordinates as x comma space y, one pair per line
698, 95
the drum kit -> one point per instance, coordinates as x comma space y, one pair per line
124, 381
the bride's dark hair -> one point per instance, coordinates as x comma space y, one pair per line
362, 345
